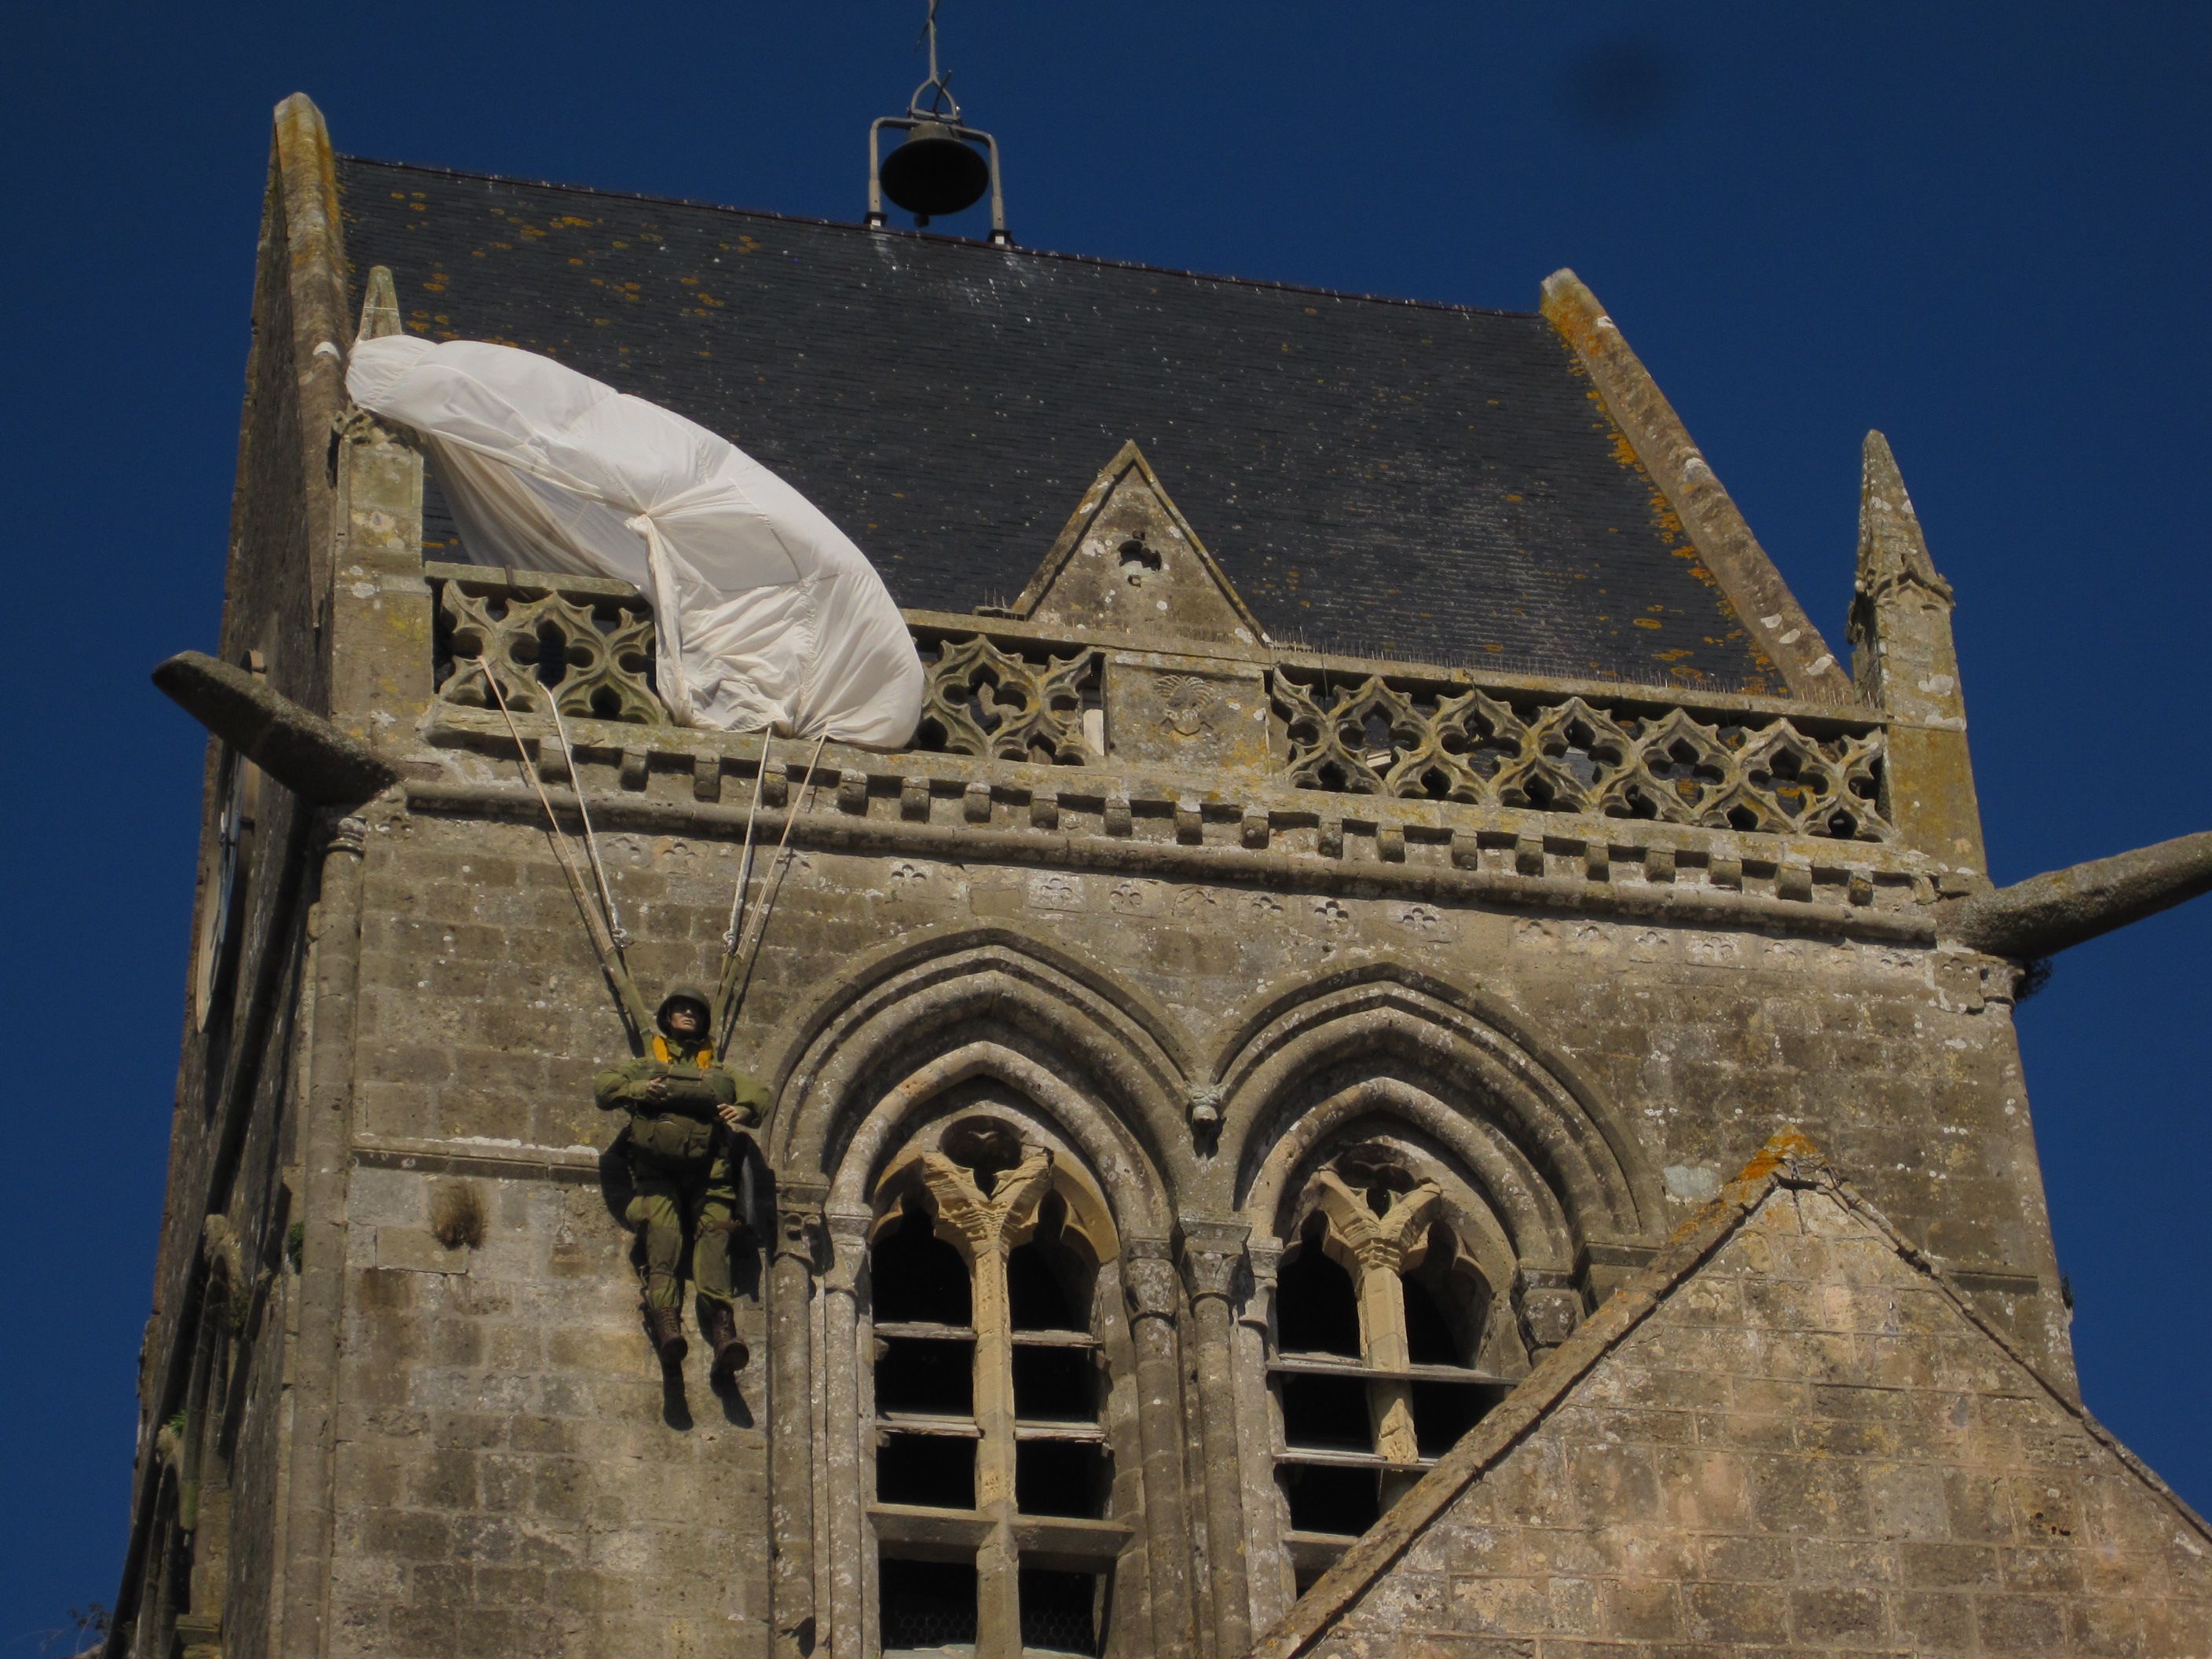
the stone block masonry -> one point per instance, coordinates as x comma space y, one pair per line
1788, 1436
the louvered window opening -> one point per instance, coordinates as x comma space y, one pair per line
989, 1391
1369, 1369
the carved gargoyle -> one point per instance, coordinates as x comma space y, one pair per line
296, 746
2047, 912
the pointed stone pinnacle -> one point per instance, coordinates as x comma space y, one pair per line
1892, 549
379, 306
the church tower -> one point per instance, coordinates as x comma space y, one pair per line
1410, 1061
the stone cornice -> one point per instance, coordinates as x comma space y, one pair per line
1553, 867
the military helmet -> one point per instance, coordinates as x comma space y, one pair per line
684, 991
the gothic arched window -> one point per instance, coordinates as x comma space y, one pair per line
993, 1469
1382, 1325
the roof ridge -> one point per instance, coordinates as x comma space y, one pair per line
947, 241
1789, 1160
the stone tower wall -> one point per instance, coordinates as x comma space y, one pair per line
1212, 947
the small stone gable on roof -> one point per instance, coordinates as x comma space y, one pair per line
1790, 1434
1129, 561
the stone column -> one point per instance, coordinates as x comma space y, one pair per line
791, 1416
845, 1457
1266, 1570
325, 1131
1148, 1282
998, 1606
1212, 1253
380, 613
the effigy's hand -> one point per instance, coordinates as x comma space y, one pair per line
733, 1117
656, 1092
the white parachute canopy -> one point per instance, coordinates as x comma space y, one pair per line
768, 616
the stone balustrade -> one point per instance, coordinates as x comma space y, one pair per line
996, 693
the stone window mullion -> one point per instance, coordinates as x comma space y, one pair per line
1382, 1345
985, 1229
1001, 1444
1380, 1246
1365, 1397
998, 1622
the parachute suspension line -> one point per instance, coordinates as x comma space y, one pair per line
628, 1002
742, 979
591, 841
745, 858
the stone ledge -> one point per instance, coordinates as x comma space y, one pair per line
502, 1160
918, 783
836, 831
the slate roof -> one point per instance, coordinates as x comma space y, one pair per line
1423, 482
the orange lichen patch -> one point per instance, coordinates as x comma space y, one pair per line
1790, 1145
1645, 622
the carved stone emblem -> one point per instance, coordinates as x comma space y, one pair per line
1054, 891
1188, 701
1423, 919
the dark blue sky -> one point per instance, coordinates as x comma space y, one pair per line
1982, 229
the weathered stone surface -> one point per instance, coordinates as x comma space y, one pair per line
1908, 664
1867, 1466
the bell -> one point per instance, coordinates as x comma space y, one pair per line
933, 173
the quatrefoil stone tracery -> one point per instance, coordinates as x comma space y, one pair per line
1571, 755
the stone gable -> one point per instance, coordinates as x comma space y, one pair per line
1790, 1435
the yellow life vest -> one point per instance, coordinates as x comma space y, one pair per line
666, 1056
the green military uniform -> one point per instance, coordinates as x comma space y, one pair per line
682, 1161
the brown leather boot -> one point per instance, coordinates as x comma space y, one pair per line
666, 1330
720, 1327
